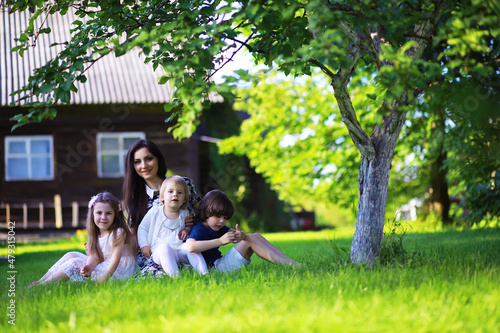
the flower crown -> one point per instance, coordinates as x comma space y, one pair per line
92, 201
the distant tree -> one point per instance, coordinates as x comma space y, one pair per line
403, 48
294, 137
257, 207
472, 141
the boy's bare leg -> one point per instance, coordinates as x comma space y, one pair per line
256, 243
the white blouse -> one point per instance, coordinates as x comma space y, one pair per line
156, 229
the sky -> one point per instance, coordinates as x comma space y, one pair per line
242, 60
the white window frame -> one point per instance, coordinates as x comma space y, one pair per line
28, 155
122, 153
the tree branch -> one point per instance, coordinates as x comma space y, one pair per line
413, 36
339, 83
422, 36
323, 68
394, 122
242, 44
341, 7
37, 34
354, 36
356, 132
412, 8
250, 49
375, 46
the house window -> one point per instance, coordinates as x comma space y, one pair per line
29, 157
111, 152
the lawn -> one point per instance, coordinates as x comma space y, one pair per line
452, 286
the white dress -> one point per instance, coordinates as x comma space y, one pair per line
72, 262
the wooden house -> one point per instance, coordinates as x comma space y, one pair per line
65, 161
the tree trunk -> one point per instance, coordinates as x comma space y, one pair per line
376, 151
373, 188
439, 200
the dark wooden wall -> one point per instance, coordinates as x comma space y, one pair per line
74, 132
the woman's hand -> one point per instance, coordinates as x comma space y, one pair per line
189, 222
146, 251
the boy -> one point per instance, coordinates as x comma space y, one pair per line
211, 232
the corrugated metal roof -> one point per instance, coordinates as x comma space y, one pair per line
125, 79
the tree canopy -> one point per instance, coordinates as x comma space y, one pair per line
193, 39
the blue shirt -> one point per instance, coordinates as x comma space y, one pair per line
200, 232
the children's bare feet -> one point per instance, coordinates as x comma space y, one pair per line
296, 264
33, 284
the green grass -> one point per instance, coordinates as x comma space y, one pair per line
453, 287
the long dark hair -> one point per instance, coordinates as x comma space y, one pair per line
118, 223
135, 198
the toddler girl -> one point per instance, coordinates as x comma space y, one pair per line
163, 230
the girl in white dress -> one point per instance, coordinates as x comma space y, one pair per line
110, 247
162, 231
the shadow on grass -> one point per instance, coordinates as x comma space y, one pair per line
481, 245
469, 247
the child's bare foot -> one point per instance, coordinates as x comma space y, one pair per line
85, 271
293, 263
33, 284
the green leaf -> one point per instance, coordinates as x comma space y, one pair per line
77, 66
164, 79
46, 88
66, 85
167, 108
104, 51
16, 48
82, 78
51, 113
62, 95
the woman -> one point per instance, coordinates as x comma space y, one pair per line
145, 170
